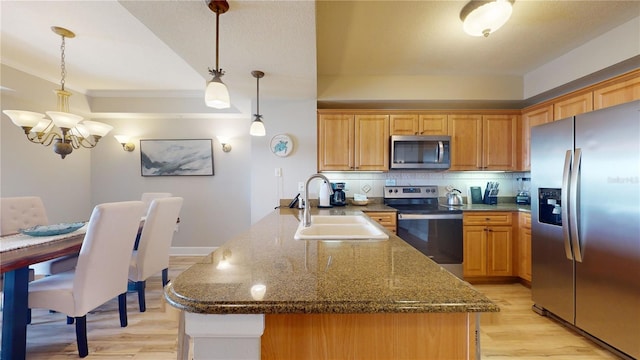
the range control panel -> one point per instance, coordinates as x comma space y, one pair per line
408, 192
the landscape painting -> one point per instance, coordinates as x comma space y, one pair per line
193, 157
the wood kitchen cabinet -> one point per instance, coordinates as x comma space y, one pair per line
483, 142
531, 117
487, 244
524, 246
573, 104
388, 219
418, 124
348, 142
618, 91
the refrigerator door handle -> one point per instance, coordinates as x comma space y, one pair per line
564, 201
573, 209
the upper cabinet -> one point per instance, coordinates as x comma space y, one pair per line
531, 117
572, 105
348, 142
483, 142
416, 124
619, 91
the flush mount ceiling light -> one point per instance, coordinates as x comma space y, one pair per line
481, 18
68, 130
216, 94
257, 126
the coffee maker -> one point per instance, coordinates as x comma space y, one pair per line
338, 198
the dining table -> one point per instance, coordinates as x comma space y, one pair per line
17, 252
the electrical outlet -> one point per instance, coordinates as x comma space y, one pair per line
301, 186
278, 172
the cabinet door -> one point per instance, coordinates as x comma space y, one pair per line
433, 125
572, 106
384, 218
474, 252
499, 140
524, 260
372, 142
499, 251
531, 118
466, 141
335, 142
618, 93
403, 124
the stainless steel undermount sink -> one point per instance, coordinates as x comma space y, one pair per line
340, 227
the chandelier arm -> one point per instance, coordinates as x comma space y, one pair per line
86, 143
45, 139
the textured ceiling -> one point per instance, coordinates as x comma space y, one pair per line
129, 48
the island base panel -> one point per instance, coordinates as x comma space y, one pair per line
369, 336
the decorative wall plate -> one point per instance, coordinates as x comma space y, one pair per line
281, 145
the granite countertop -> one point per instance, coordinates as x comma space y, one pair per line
312, 276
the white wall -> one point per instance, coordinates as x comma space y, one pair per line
298, 120
612, 47
215, 209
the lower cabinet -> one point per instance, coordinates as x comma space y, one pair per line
384, 218
524, 247
487, 244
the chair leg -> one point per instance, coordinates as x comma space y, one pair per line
122, 308
81, 336
140, 286
69, 320
28, 316
165, 276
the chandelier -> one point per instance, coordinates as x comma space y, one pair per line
216, 93
66, 131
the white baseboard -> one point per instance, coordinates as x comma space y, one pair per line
190, 251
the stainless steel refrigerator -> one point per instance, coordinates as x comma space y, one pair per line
585, 173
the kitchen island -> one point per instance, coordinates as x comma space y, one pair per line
265, 295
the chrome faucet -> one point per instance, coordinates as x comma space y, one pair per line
306, 218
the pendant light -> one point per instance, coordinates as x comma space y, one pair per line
216, 94
69, 131
257, 126
481, 17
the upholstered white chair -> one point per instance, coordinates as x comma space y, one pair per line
101, 272
26, 211
20, 213
147, 197
152, 254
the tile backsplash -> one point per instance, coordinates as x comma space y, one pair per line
372, 184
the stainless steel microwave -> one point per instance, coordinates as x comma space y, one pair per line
420, 152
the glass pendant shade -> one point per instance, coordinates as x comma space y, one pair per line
217, 95
486, 18
257, 128
24, 118
64, 119
41, 126
97, 128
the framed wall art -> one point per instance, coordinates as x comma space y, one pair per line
190, 157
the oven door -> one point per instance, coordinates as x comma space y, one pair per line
438, 236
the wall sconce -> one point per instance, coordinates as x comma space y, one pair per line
124, 140
226, 147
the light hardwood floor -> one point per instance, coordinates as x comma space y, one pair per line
514, 333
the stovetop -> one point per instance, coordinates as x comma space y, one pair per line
416, 200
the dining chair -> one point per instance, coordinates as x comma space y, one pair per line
152, 254
101, 271
147, 197
23, 212
19, 213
